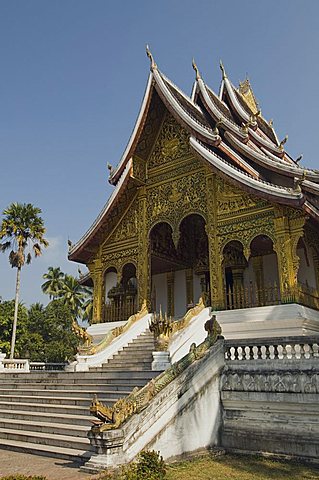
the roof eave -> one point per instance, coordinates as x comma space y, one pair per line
136, 133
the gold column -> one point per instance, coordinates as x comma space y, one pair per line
170, 278
258, 267
143, 263
189, 287
98, 281
215, 254
285, 246
316, 266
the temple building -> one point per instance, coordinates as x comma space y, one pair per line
206, 202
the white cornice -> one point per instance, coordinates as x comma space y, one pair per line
239, 176
194, 124
217, 113
277, 165
134, 133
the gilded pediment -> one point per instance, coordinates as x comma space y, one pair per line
171, 144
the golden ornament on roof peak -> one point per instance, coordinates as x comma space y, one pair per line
221, 66
196, 69
150, 56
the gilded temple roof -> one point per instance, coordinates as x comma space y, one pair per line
226, 130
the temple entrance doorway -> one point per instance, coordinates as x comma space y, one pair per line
179, 270
120, 293
253, 282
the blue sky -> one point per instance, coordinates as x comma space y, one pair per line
73, 73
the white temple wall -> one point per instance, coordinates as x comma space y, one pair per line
180, 293
197, 289
249, 275
159, 283
306, 272
270, 267
110, 282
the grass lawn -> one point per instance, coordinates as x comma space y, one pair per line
240, 467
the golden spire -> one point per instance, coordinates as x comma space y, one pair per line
196, 69
221, 66
150, 56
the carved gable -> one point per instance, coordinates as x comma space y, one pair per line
126, 229
231, 200
171, 144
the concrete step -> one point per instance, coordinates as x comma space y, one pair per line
122, 361
48, 412
45, 407
74, 377
147, 373
140, 368
47, 393
65, 441
134, 355
74, 455
53, 400
85, 387
45, 427
36, 416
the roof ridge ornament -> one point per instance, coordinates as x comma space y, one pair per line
245, 125
298, 181
221, 66
196, 69
217, 125
282, 143
150, 56
110, 168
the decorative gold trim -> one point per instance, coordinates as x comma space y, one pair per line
113, 417
115, 332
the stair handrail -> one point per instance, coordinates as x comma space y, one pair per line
110, 418
181, 324
114, 333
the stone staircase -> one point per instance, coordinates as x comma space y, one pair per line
47, 413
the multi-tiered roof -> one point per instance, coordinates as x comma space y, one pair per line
227, 131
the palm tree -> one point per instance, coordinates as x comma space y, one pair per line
21, 229
73, 294
54, 282
88, 305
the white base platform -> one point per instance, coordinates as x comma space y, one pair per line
270, 321
99, 330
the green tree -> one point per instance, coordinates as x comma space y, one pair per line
87, 306
22, 231
49, 336
7, 309
73, 295
54, 282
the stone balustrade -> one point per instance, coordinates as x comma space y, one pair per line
15, 364
18, 365
291, 348
47, 367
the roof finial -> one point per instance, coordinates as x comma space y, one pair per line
221, 65
196, 69
150, 56
282, 143
216, 129
299, 158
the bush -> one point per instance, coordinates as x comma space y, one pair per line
149, 466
